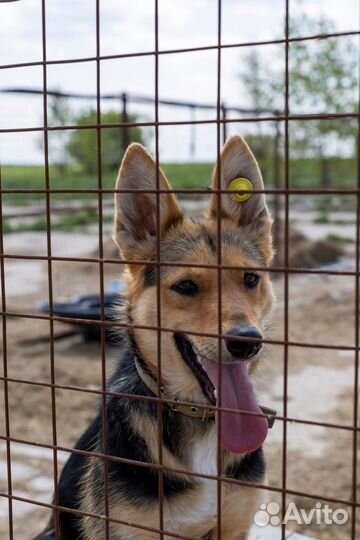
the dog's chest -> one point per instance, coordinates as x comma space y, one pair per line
202, 505
194, 513
203, 455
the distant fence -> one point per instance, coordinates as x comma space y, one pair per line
126, 98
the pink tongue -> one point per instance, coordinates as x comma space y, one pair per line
240, 433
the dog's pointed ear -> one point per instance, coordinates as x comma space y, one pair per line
237, 161
136, 212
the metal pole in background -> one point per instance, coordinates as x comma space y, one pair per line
125, 119
223, 114
192, 131
276, 199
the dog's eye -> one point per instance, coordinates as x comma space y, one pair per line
185, 287
251, 280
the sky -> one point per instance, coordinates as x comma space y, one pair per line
127, 26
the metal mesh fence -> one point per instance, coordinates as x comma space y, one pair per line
283, 194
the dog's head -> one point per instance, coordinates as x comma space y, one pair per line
189, 295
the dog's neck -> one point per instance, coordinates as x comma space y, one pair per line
194, 410
205, 412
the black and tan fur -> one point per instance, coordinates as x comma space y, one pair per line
190, 444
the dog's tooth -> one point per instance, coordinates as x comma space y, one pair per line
215, 393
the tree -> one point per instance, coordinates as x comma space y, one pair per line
258, 83
264, 94
322, 80
82, 143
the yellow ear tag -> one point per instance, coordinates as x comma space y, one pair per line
241, 184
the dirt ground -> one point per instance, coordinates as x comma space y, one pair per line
320, 388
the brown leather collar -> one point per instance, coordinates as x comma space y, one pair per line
195, 410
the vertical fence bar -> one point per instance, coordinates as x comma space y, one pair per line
286, 265
50, 275
276, 198
105, 440
224, 124
219, 272
192, 132
158, 277
5, 368
354, 486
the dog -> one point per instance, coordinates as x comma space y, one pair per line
196, 442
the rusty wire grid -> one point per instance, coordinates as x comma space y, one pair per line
219, 121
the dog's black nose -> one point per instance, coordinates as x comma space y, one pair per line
243, 349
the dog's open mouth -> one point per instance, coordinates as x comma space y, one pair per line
240, 433
194, 361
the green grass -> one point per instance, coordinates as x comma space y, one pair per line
6, 227
33, 177
189, 175
304, 173
340, 239
181, 176
322, 218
